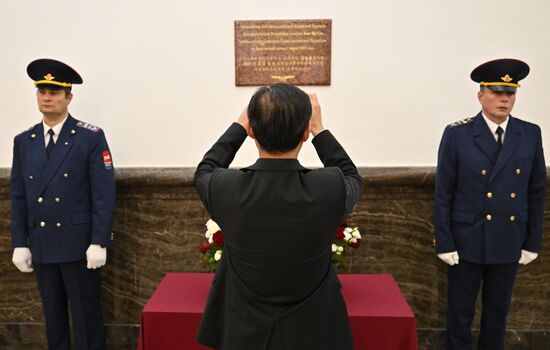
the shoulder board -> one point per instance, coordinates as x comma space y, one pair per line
88, 126
462, 122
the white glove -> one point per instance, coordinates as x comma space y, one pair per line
22, 258
527, 257
96, 256
450, 258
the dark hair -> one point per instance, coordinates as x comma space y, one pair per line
279, 115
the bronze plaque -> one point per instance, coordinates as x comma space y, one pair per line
289, 51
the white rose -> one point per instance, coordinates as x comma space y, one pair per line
347, 234
218, 255
212, 227
340, 249
355, 233
334, 247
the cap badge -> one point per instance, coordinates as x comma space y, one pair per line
507, 78
49, 77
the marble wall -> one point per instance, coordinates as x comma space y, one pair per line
160, 223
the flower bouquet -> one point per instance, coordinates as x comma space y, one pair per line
212, 249
346, 237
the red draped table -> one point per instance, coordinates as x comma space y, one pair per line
379, 315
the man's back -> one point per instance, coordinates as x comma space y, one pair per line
279, 220
275, 287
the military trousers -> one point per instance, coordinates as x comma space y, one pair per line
464, 282
71, 284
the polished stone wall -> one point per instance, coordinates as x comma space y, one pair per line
160, 222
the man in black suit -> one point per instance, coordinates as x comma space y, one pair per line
275, 287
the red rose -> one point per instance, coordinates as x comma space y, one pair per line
340, 233
345, 223
204, 246
218, 238
356, 244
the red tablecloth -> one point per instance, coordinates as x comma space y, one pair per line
380, 317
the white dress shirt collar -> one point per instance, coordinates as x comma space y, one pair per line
56, 129
493, 126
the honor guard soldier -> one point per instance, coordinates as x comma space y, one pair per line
489, 205
63, 195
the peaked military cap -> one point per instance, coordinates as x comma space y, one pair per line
53, 74
501, 75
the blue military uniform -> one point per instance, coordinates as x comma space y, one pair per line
61, 204
489, 206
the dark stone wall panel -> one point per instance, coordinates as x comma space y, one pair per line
160, 221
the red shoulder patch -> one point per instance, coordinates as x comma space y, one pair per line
107, 161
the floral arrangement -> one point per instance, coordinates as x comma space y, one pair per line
346, 237
212, 249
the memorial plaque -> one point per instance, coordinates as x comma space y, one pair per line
288, 51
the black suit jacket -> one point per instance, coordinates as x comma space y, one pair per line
275, 287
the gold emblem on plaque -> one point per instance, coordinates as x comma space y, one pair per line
506, 78
282, 78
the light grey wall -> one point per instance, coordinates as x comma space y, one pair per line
159, 75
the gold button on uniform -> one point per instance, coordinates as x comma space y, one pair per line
512, 218
483, 172
518, 171
42, 224
489, 194
31, 177
58, 224
512, 195
489, 217
40, 200
57, 200
66, 175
